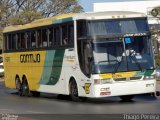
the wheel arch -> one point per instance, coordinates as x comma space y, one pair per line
24, 79
17, 76
19, 80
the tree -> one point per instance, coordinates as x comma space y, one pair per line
13, 12
55, 7
155, 12
24, 11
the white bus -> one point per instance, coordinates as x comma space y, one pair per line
83, 55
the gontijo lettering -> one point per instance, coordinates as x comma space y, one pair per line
30, 58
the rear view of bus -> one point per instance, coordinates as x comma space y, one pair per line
115, 51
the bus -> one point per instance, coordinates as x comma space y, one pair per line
84, 55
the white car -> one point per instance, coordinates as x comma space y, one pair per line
1, 68
158, 73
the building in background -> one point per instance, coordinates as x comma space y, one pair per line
143, 6
134, 5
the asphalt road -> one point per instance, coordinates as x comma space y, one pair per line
49, 106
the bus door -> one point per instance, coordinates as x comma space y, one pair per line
85, 63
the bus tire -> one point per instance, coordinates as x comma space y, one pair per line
25, 87
35, 94
74, 92
127, 98
18, 86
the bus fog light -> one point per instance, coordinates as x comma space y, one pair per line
149, 77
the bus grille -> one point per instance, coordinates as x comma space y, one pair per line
120, 79
126, 79
136, 78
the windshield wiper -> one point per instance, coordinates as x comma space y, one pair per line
117, 66
131, 55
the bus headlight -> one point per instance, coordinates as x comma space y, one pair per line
104, 81
149, 77
97, 81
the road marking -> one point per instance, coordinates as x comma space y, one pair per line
37, 112
6, 110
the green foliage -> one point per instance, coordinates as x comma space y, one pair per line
157, 60
1, 38
26, 16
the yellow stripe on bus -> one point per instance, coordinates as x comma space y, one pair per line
117, 75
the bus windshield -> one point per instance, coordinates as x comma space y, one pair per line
118, 55
118, 45
117, 26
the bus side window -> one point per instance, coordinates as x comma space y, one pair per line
50, 37
33, 39
18, 41
81, 28
38, 38
9, 41
44, 38
5, 42
57, 36
71, 34
28, 39
65, 35
23, 41
14, 41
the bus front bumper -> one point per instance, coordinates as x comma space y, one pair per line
124, 88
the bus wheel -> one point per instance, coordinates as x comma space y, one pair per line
18, 86
127, 98
74, 92
25, 87
35, 93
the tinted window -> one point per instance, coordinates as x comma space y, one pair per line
23, 41
81, 28
57, 36
28, 39
44, 38
14, 41
65, 40
71, 34
39, 39
50, 35
33, 39
121, 26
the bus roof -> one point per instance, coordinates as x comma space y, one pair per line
109, 15
74, 16
40, 22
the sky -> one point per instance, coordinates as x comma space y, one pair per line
88, 4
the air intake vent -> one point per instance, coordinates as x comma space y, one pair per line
136, 78
120, 79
